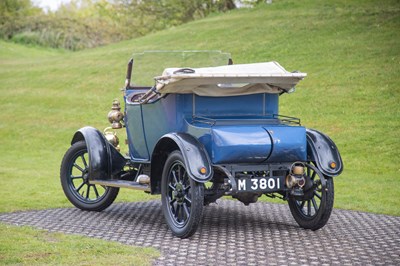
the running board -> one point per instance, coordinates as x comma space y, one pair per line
121, 183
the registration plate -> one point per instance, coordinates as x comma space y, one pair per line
261, 184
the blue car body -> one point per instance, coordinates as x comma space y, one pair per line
233, 130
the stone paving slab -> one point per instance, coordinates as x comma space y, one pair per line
233, 234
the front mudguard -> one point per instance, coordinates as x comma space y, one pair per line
104, 160
323, 151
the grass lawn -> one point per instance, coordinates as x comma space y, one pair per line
350, 50
38, 247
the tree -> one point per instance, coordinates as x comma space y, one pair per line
11, 14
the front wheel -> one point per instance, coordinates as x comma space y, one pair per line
182, 197
74, 175
313, 210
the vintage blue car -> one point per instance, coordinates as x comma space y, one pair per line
200, 128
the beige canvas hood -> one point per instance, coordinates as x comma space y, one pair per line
228, 80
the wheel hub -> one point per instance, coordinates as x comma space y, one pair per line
179, 193
85, 176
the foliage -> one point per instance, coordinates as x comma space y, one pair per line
13, 13
85, 24
16, 9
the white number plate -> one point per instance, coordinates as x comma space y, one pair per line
264, 184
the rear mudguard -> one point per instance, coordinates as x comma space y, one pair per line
193, 152
104, 160
323, 151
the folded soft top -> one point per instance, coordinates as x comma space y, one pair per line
228, 80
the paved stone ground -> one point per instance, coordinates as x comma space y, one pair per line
233, 234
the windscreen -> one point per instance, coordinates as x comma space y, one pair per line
149, 64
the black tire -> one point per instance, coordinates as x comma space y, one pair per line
74, 181
314, 209
182, 198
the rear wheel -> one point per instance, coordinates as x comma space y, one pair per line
182, 197
313, 210
74, 177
